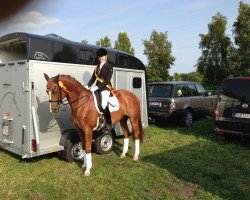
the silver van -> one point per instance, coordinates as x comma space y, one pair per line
181, 100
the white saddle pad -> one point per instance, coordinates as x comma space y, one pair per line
113, 104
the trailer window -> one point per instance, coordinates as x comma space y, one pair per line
123, 61
86, 56
137, 82
13, 50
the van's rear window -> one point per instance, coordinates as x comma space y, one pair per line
160, 90
236, 88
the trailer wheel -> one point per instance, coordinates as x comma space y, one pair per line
72, 146
104, 143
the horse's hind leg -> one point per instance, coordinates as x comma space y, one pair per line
136, 130
124, 126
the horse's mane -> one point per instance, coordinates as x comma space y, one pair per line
73, 80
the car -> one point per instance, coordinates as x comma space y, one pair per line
232, 110
181, 100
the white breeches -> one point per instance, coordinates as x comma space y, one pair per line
105, 97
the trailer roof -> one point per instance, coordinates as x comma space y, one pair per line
55, 38
59, 49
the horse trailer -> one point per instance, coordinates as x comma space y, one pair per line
28, 129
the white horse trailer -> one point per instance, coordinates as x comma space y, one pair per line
28, 128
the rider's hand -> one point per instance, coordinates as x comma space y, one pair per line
92, 89
87, 87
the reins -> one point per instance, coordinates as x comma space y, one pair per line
74, 100
60, 100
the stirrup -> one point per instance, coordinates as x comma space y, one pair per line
108, 127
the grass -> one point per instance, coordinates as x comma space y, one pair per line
175, 163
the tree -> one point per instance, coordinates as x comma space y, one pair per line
159, 54
104, 42
123, 43
214, 63
192, 76
241, 31
84, 41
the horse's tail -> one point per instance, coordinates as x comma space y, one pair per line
140, 129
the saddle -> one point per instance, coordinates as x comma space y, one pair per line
104, 120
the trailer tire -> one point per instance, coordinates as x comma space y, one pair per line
72, 146
104, 143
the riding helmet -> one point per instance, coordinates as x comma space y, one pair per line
101, 52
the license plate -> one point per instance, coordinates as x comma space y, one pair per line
154, 103
241, 115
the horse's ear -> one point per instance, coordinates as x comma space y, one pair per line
56, 78
46, 77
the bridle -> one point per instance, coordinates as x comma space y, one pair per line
59, 100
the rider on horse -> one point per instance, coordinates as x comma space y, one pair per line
102, 75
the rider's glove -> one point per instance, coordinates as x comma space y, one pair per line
87, 87
92, 89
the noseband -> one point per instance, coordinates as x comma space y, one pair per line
59, 100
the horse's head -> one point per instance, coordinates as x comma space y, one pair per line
55, 92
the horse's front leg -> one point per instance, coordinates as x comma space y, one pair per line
88, 146
124, 126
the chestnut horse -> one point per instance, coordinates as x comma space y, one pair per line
85, 116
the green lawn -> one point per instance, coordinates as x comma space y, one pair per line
175, 163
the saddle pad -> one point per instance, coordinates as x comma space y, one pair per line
113, 104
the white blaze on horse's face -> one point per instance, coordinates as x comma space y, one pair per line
53, 98
50, 109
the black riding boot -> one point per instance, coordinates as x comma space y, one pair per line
108, 118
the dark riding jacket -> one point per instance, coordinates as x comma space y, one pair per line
105, 74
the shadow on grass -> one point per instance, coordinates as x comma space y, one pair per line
223, 171
202, 127
117, 149
31, 160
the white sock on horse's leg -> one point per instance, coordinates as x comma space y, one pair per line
137, 150
84, 159
125, 147
88, 164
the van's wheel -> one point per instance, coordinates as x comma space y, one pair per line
72, 147
104, 143
187, 118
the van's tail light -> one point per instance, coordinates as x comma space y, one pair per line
247, 78
33, 145
173, 106
216, 112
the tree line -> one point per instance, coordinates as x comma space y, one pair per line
220, 57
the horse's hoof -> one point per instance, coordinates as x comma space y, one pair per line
86, 174
122, 156
135, 158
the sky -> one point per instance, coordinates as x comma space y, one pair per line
90, 20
